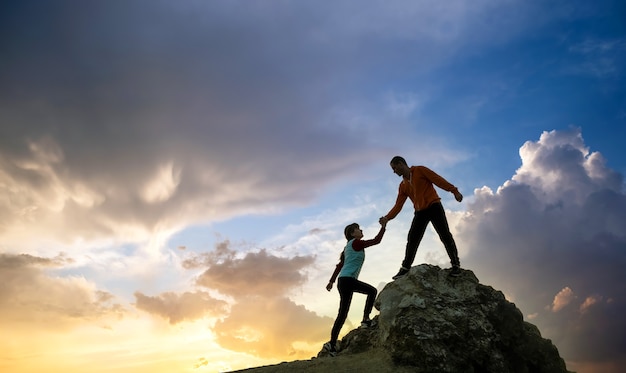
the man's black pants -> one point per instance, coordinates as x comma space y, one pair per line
436, 215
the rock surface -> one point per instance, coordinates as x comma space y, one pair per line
432, 322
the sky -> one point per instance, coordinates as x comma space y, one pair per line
175, 176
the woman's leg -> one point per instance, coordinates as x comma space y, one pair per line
344, 285
370, 291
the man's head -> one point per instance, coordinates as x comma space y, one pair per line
398, 160
399, 166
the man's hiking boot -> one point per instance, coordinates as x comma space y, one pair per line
456, 271
403, 271
367, 323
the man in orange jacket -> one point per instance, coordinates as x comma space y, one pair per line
417, 185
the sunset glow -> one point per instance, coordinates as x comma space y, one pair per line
175, 176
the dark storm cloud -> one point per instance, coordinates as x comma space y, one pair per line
99, 98
110, 77
553, 240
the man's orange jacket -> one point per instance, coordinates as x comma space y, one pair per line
419, 188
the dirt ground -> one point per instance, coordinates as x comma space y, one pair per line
371, 361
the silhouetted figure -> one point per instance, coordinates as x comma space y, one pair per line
348, 269
417, 185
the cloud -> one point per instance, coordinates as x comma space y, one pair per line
11, 261
562, 299
589, 302
187, 306
601, 58
31, 298
559, 167
156, 115
556, 227
201, 362
262, 320
270, 327
256, 273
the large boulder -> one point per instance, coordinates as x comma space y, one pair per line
432, 322
436, 322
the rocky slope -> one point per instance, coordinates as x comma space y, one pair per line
432, 322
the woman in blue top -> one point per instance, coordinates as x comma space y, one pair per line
348, 269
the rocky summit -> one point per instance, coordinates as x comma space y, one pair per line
430, 321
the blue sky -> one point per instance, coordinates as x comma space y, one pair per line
175, 176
